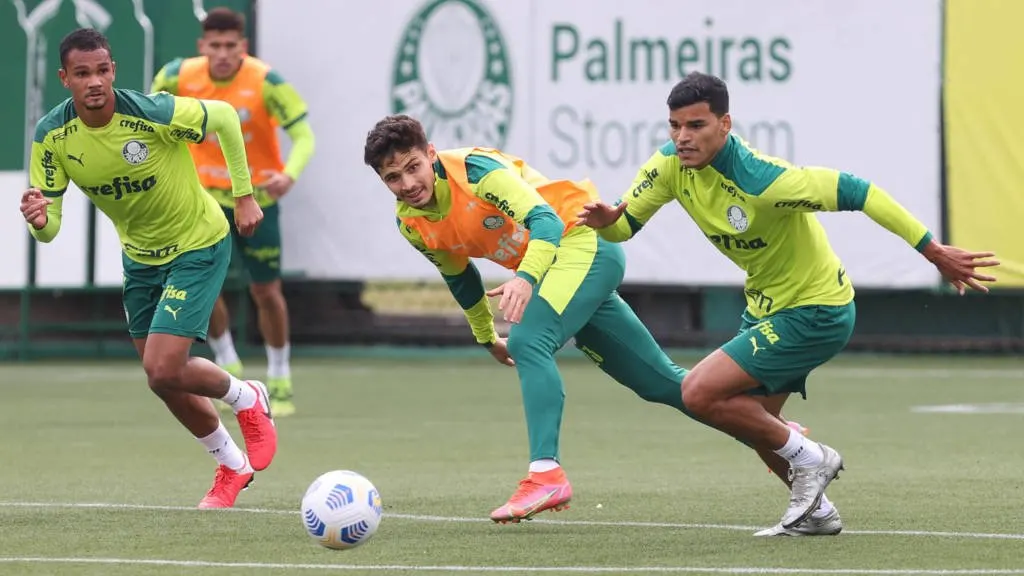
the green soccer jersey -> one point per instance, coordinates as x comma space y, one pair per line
137, 170
757, 211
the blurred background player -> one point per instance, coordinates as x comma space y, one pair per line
800, 310
264, 101
129, 154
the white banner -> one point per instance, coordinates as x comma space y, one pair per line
578, 88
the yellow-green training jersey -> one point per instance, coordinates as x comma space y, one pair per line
757, 211
137, 170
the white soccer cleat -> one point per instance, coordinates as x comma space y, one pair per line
828, 525
809, 483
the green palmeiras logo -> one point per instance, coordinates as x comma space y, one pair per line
453, 74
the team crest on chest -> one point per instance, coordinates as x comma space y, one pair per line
494, 222
135, 152
737, 218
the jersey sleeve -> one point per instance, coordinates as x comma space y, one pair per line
464, 282
166, 80
651, 189
492, 182
825, 190
47, 174
189, 121
283, 101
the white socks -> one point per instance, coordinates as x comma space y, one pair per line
801, 452
223, 349
543, 465
277, 361
222, 447
240, 395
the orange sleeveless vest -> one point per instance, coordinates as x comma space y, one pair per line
245, 94
478, 229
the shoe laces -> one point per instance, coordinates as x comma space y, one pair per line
220, 479
252, 419
526, 485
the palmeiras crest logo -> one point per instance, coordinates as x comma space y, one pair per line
452, 73
737, 218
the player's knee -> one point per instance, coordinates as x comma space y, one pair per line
698, 393
529, 349
266, 293
163, 373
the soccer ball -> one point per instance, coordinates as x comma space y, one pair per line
341, 509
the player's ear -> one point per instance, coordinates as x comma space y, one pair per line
726, 123
244, 44
63, 75
431, 152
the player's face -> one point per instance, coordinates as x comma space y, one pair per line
410, 176
90, 77
225, 50
698, 133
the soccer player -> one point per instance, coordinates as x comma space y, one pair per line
453, 205
264, 101
800, 312
128, 153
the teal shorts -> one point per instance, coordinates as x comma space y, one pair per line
261, 252
177, 297
780, 350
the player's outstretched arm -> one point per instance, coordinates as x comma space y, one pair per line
652, 188
823, 189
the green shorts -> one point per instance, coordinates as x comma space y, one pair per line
261, 252
177, 297
780, 350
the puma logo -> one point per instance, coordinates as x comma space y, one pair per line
77, 159
174, 312
753, 342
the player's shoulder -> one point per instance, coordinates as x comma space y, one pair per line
157, 108
663, 162
58, 116
480, 164
173, 68
752, 171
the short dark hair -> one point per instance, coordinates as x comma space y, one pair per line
393, 135
223, 19
697, 87
84, 39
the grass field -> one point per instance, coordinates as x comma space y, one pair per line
97, 478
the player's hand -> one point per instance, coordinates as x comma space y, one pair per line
33, 208
515, 295
959, 267
600, 215
278, 185
500, 352
248, 215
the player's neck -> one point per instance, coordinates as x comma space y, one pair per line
99, 117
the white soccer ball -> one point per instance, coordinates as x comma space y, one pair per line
341, 509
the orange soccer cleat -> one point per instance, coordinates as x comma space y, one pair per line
537, 492
227, 483
257, 426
